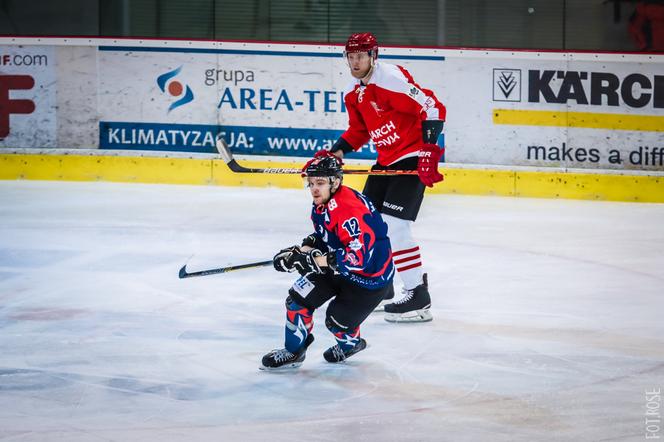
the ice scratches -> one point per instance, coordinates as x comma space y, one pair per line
47, 314
205, 335
441, 401
625, 344
21, 379
549, 255
175, 391
28, 259
6, 275
24, 379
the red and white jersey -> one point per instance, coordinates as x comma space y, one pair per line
390, 110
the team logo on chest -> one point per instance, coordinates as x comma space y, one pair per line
376, 108
360, 93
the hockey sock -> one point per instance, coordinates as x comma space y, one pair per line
299, 322
347, 339
405, 251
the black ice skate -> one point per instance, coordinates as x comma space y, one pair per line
335, 354
281, 358
413, 307
389, 296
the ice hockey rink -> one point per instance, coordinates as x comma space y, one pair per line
548, 322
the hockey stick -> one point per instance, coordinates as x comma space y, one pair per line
183, 271
234, 166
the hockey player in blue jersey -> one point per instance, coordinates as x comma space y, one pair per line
347, 260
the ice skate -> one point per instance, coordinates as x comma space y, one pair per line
335, 354
281, 359
413, 307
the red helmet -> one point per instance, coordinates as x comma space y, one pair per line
362, 42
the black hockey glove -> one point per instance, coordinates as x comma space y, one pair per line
313, 241
283, 261
309, 241
305, 262
431, 129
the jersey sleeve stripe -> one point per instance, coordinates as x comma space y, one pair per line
409, 258
403, 252
402, 269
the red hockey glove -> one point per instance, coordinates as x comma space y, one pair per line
322, 153
326, 153
427, 165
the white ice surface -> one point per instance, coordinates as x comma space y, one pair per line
548, 321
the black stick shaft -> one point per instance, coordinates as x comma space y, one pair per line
236, 167
184, 274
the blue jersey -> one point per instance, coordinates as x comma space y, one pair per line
351, 228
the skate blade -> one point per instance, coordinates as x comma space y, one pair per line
286, 367
423, 315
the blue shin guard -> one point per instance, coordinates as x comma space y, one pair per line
299, 322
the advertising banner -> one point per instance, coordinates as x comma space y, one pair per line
27, 96
504, 108
286, 103
507, 108
562, 110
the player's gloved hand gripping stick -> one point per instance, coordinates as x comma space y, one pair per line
430, 153
290, 259
294, 259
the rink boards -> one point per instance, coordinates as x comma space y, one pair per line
520, 123
463, 180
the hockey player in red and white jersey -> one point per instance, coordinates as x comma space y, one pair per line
404, 120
